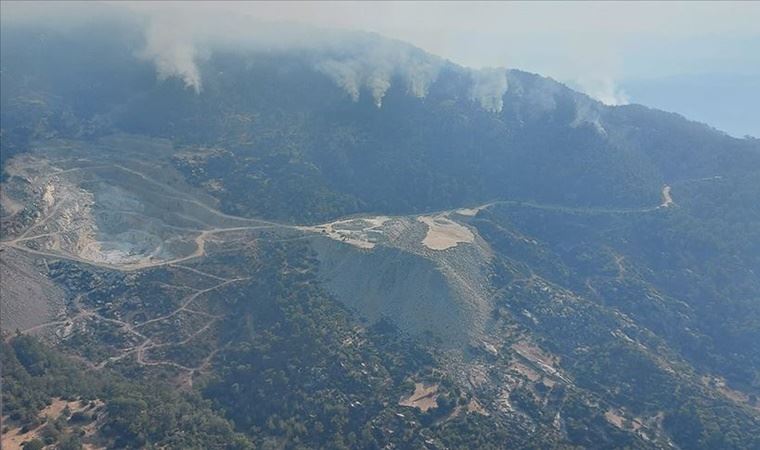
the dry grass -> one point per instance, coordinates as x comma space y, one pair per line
423, 398
616, 418
474, 407
14, 439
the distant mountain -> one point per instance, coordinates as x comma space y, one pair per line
725, 101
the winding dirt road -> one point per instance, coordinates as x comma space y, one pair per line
204, 234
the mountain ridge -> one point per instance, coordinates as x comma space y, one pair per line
327, 263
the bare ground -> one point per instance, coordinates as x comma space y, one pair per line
443, 233
14, 438
423, 397
27, 296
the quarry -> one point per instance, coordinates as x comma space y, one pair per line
70, 201
78, 201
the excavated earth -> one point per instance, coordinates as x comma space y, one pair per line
129, 211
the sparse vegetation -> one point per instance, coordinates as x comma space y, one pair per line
569, 275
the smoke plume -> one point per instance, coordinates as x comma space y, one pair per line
603, 89
176, 40
488, 88
173, 54
373, 65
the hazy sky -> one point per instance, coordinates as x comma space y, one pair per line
598, 47
594, 45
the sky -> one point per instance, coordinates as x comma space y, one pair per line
664, 54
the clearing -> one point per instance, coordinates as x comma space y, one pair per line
15, 437
423, 398
444, 233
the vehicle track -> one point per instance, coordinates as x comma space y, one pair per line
205, 234
200, 240
147, 342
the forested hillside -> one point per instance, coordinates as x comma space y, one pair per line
421, 256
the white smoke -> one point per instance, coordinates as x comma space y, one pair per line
373, 65
344, 73
488, 88
353, 61
356, 62
419, 74
603, 89
172, 52
587, 113
379, 83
